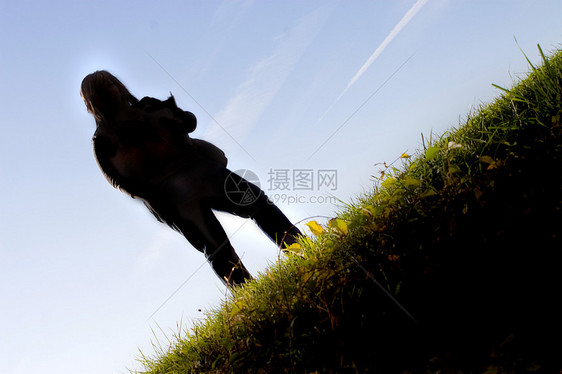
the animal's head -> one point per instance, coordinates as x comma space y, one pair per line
167, 111
104, 95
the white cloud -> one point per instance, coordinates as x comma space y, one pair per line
266, 77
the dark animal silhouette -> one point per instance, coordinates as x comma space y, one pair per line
143, 148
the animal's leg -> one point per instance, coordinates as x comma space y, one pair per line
274, 223
204, 232
263, 211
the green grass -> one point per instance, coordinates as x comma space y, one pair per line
450, 264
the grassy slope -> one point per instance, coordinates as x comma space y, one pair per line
451, 263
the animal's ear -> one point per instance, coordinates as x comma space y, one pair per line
187, 118
171, 102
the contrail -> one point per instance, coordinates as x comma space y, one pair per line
395, 31
360, 106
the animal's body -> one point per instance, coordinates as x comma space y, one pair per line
144, 148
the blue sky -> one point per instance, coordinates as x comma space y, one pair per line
86, 274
